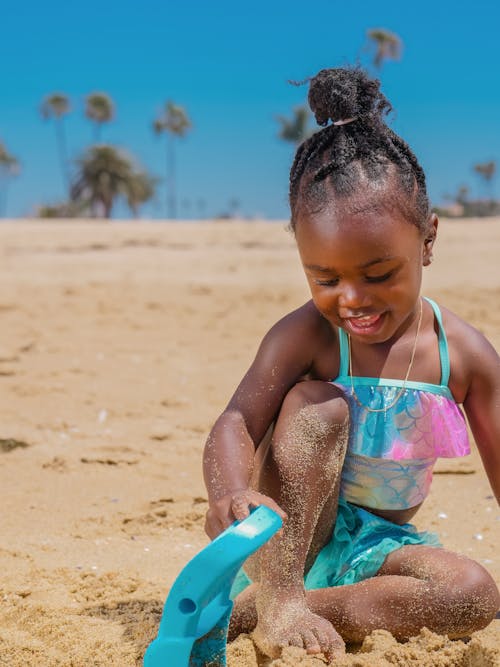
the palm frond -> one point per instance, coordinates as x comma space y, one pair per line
9, 164
386, 44
295, 129
105, 173
55, 105
99, 107
174, 119
486, 169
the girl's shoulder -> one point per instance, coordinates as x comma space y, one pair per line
461, 333
305, 335
305, 320
470, 352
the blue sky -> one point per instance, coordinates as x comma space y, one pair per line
228, 63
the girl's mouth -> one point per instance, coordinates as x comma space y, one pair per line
364, 325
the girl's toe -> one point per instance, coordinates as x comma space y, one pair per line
311, 643
297, 640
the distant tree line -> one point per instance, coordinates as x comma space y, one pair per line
462, 205
103, 173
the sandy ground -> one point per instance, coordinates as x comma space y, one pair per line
119, 345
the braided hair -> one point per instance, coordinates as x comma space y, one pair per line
344, 160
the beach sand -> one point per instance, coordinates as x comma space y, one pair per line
120, 344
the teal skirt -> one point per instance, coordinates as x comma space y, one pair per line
360, 543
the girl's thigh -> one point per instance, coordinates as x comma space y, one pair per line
455, 574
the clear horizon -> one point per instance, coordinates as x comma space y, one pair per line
228, 65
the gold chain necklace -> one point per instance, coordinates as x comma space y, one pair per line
400, 392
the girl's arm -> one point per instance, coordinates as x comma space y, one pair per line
284, 356
482, 407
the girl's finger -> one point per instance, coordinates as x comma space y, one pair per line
240, 509
269, 502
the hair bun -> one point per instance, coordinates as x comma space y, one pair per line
341, 93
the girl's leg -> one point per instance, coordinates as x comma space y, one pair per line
417, 586
301, 472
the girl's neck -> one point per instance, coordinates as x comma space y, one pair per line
393, 357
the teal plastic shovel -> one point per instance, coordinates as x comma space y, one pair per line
195, 619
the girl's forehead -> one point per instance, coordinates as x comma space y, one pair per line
357, 236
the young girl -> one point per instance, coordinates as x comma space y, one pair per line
352, 398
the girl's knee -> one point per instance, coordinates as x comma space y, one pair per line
313, 425
324, 398
482, 592
475, 599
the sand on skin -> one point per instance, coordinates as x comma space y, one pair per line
120, 345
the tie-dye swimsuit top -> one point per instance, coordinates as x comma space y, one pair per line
391, 454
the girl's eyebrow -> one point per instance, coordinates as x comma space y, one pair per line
378, 260
320, 269
330, 269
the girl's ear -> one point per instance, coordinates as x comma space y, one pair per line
429, 238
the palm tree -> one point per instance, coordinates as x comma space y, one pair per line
486, 171
387, 45
9, 167
141, 188
106, 173
57, 106
100, 109
297, 128
175, 123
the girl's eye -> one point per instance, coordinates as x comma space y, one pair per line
379, 279
327, 283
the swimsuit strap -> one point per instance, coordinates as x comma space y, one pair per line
444, 355
344, 354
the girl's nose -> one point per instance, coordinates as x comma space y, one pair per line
353, 297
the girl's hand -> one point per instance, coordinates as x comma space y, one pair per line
236, 506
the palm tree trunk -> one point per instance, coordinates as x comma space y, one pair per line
63, 154
108, 205
171, 194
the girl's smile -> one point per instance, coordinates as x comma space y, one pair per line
363, 325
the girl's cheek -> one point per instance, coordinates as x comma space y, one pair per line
324, 300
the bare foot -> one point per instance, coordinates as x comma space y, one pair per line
291, 623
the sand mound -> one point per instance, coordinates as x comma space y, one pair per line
380, 649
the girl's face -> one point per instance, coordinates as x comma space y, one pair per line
365, 269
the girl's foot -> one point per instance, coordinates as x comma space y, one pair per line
291, 623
